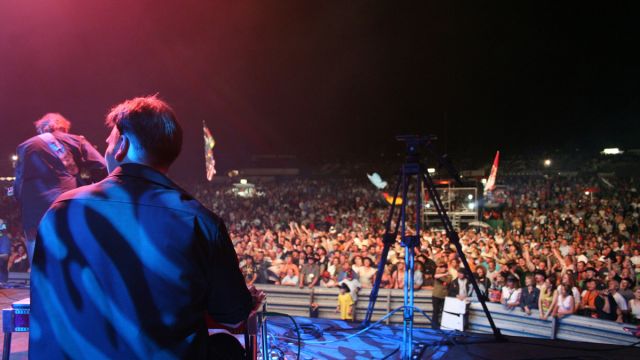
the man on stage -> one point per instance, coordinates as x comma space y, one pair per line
49, 164
128, 268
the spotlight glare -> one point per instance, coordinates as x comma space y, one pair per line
612, 151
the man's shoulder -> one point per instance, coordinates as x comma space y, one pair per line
114, 190
30, 142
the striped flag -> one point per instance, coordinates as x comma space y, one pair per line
491, 182
209, 143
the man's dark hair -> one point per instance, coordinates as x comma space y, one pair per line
52, 122
153, 124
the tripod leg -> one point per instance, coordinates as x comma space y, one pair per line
454, 238
389, 239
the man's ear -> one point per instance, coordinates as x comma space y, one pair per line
123, 148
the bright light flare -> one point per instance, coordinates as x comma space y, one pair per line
612, 151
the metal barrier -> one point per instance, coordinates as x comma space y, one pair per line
20, 278
572, 327
297, 302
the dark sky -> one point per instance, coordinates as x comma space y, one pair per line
329, 79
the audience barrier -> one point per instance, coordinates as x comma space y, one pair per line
298, 302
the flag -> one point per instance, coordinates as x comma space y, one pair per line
389, 199
209, 143
377, 181
491, 182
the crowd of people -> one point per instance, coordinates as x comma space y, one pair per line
558, 245
13, 251
564, 245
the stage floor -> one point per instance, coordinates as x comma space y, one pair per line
334, 339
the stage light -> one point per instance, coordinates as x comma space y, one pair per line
472, 206
547, 162
428, 206
243, 181
612, 151
431, 170
483, 181
587, 193
14, 157
470, 197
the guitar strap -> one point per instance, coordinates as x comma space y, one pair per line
65, 156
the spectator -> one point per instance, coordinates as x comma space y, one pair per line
334, 266
511, 294
540, 278
495, 292
634, 305
460, 288
398, 275
565, 304
353, 284
264, 275
606, 307
345, 268
366, 273
625, 289
289, 265
326, 281
547, 300
249, 270
5, 252
568, 279
589, 296
621, 302
310, 274
18, 262
345, 303
483, 281
530, 296
387, 280
291, 279
442, 278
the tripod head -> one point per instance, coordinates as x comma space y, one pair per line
415, 144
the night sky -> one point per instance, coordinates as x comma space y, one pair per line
329, 80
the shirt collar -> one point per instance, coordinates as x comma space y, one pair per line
144, 172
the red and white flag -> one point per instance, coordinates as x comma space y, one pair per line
491, 182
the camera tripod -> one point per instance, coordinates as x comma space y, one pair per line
413, 167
